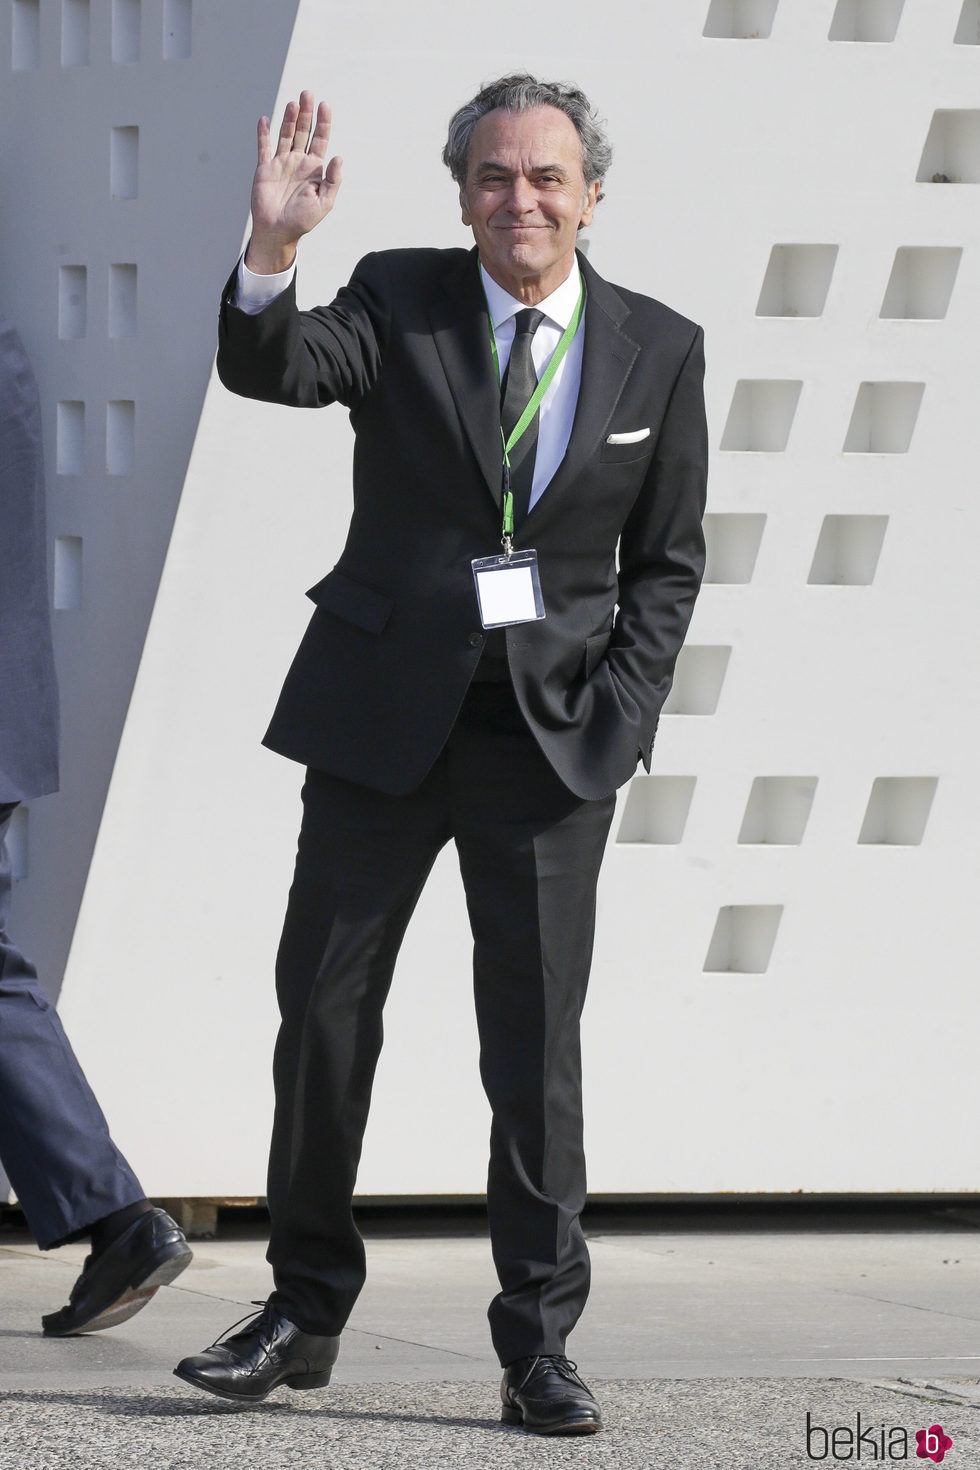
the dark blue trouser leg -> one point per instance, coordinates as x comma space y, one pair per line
54, 1140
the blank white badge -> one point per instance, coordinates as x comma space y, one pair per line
508, 589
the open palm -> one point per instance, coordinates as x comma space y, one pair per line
293, 189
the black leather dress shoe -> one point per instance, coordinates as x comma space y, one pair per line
268, 1352
547, 1396
119, 1281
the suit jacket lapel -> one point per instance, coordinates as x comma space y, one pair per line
461, 329
606, 364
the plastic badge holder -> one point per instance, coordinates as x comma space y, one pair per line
508, 589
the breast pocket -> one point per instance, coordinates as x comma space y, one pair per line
627, 451
352, 601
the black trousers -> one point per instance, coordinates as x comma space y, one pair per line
529, 853
54, 1140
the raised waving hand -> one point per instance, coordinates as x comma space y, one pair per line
293, 189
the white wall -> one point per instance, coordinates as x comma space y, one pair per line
821, 1038
71, 248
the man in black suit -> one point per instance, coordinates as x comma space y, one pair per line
507, 396
69, 1177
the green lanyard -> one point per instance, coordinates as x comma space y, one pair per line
533, 404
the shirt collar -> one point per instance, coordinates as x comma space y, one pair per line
559, 307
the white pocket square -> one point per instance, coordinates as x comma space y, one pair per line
633, 437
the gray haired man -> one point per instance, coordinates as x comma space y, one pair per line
486, 664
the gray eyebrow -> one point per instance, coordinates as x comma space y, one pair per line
490, 165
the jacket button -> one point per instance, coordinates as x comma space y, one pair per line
475, 639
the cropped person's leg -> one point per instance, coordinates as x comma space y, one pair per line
54, 1140
67, 1174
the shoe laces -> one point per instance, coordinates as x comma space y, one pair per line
561, 1365
260, 1319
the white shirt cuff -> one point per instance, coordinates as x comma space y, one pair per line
256, 292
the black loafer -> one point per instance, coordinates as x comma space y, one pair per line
547, 1396
270, 1351
119, 1282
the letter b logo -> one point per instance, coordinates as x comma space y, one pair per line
933, 1443
816, 1436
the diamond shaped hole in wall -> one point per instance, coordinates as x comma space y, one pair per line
176, 30
72, 301
898, 810
866, 20
797, 280
126, 31
25, 37
761, 414
848, 550
70, 437
778, 810
921, 283
124, 151
743, 939
656, 809
884, 418
68, 573
952, 151
17, 842
75, 26
732, 542
740, 20
120, 437
698, 679
968, 30
122, 300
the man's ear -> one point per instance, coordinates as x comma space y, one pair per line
591, 199
463, 209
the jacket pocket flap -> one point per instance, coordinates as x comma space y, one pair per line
352, 601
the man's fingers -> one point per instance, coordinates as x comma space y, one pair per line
304, 121
328, 187
265, 147
297, 132
321, 133
331, 175
287, 132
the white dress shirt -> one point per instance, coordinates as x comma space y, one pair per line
558, 405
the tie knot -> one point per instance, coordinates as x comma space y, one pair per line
528, 321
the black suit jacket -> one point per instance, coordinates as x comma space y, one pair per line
383, 668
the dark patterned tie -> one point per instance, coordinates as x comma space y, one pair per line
520, 381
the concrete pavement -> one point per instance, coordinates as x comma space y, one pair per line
712, 1333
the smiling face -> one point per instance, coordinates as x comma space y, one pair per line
525, 197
